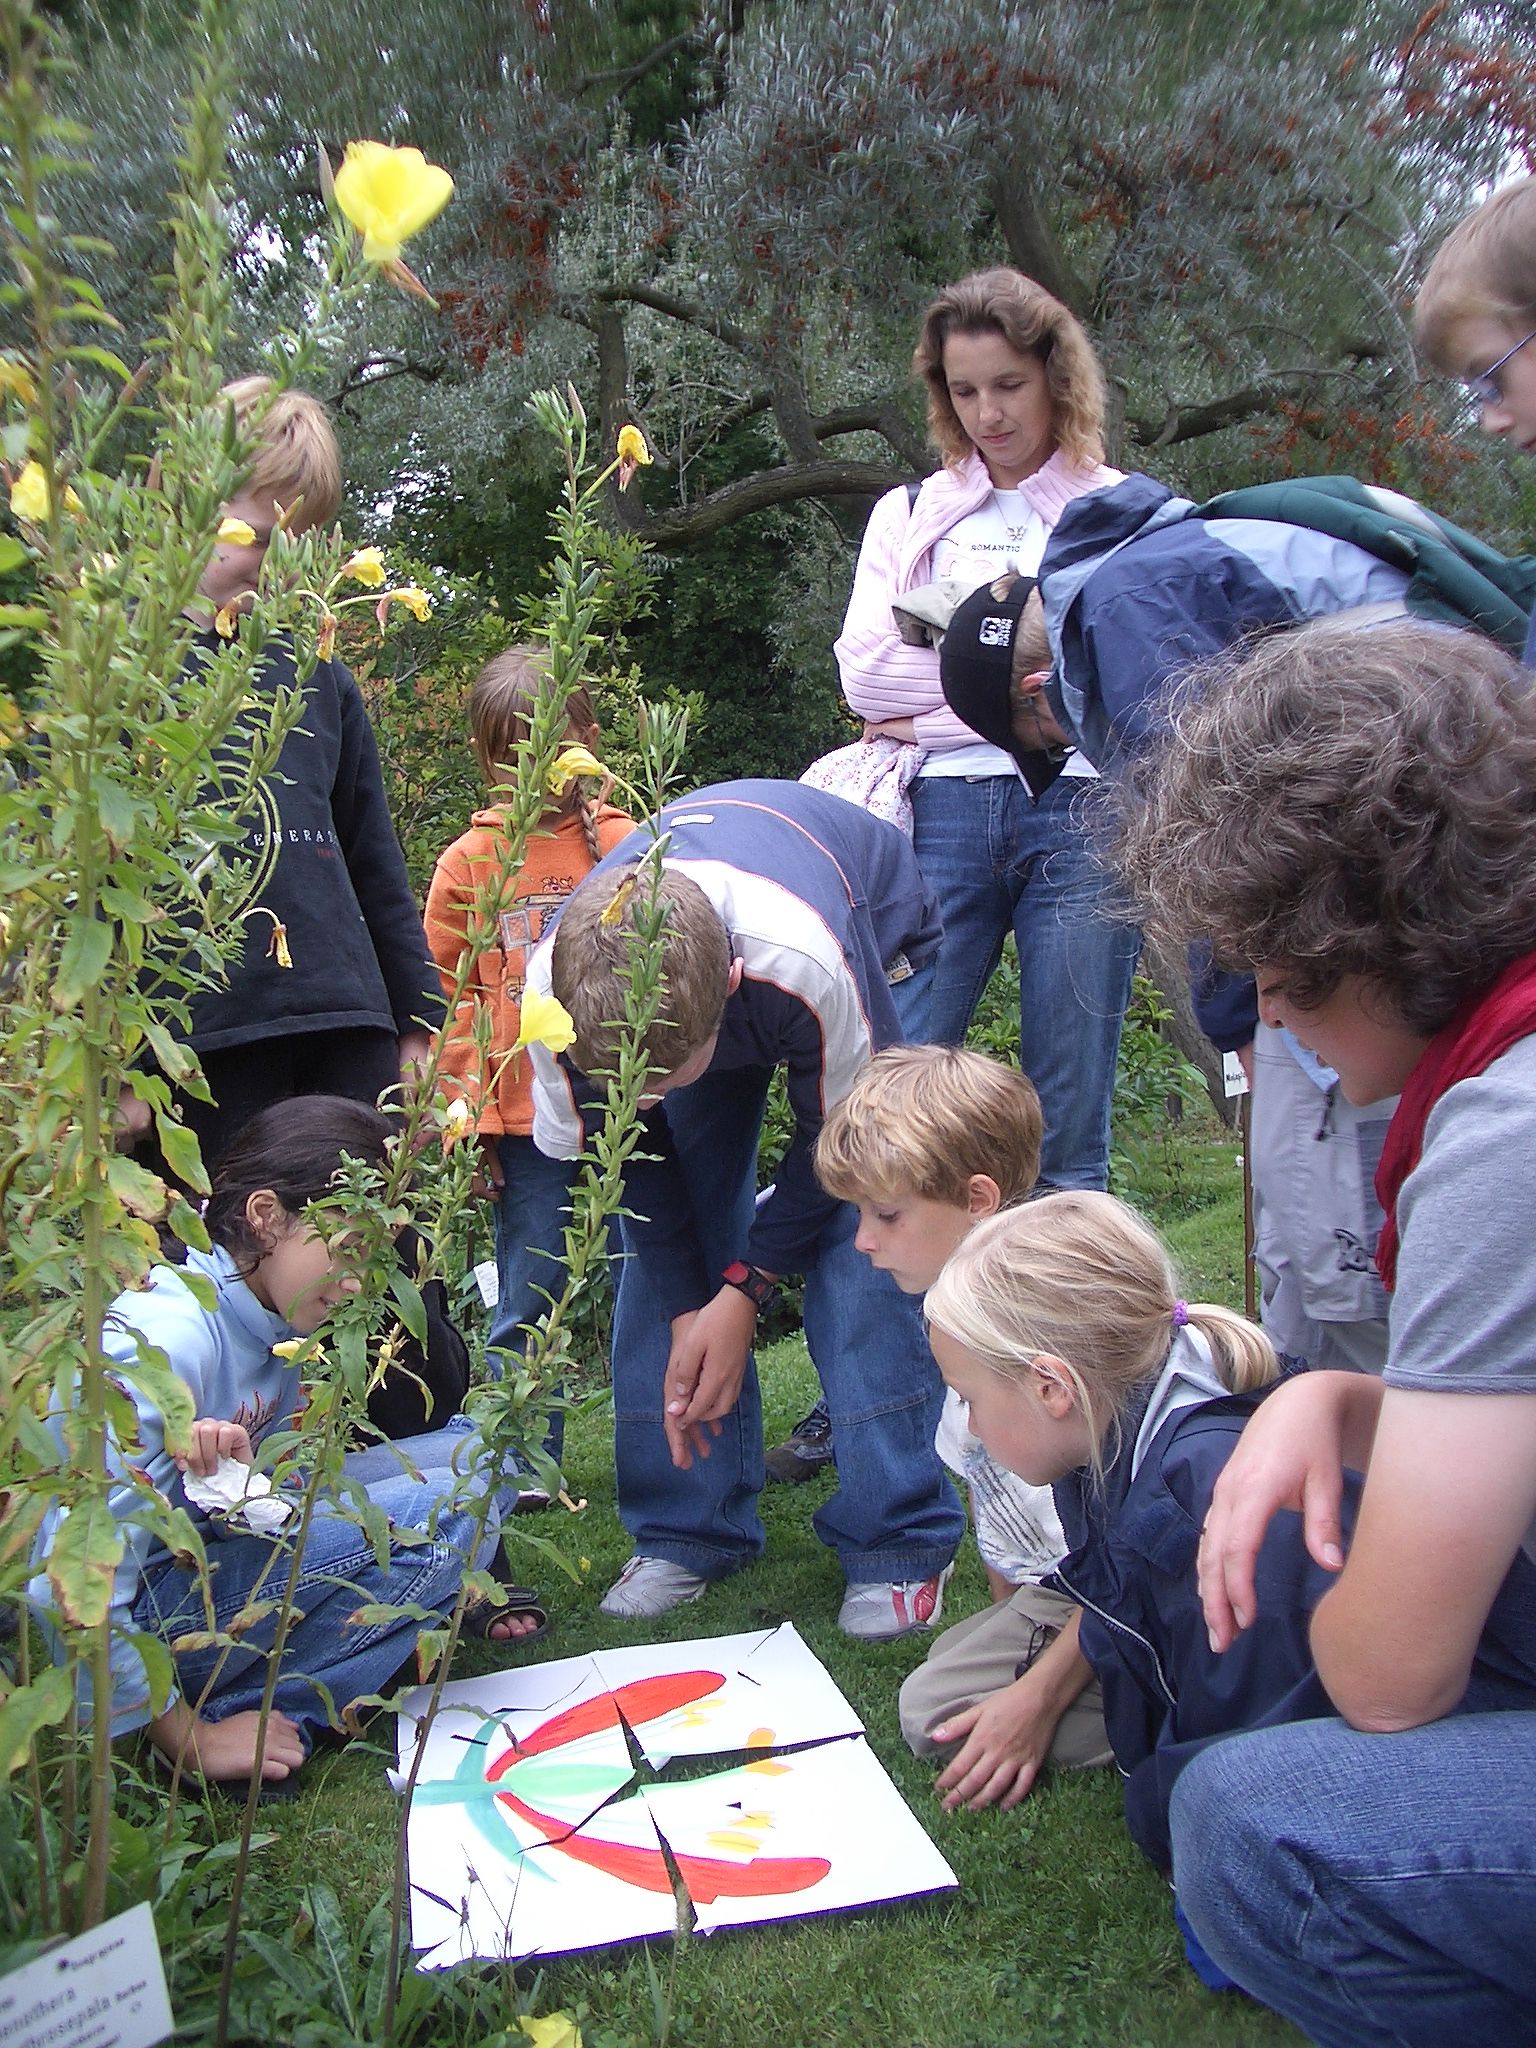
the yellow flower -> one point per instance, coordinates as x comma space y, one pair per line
30, 497
632, 453
365, 567
17, 381
388, 195
325, 642
552, 2030
289, 1348
545, 1021
224, 623
568, 764
612, 912
236, 533
412, 596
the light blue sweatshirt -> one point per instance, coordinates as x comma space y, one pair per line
224, 1357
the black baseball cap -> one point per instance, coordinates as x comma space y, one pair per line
976, 673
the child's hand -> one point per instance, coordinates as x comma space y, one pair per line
131, 1124
489, 1179
1004, 1742
705, 1371
211, 1441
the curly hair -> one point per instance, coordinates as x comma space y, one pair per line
1485, 269
1008, 303
1347, 801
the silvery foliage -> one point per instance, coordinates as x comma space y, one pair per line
1222, 206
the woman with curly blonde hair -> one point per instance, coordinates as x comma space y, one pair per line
1016, 410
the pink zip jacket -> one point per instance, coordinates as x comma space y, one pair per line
882, 676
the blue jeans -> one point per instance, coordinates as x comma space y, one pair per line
1378, 1890
532, 1210
894, 1514
326, 1654
998, 862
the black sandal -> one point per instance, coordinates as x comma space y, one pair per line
481, 1616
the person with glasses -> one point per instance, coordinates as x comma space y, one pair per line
1476, 316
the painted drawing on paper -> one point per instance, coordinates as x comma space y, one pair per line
529, 1833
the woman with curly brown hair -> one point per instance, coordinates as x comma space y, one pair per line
1016, 410
1353, 814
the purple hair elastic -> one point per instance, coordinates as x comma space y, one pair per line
1180, 1314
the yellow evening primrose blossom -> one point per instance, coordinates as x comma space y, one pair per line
236, 533
30, 499
224, 623
551, 2030
568, 764
544, 1021
289, 1348
366, 567
412, 596
632, 446
17, 381
389, 195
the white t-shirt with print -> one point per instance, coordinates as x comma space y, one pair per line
1004, 535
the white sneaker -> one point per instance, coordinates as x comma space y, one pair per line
648, 1587
877, 1610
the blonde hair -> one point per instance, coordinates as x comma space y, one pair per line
502, 702
1485, 269
1033, 323
595, 944
296, 457
1079, 1276
922, 1119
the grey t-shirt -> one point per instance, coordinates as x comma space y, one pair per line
1463, 1315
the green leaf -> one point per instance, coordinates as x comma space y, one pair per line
33, 616
179, 1146
42, 1704
85, 1555
159, 1669
142, 1193
413, 1310
332, 1945
12, 554
103, 358
83, 961
149, 1371
118, 813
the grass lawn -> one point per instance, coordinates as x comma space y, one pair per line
1060, 1933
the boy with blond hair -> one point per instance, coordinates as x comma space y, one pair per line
796, 929
930, 1140
352, 1014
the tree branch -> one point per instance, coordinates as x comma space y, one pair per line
687, 524
631, 74
379, 370
1188, 422
1032, 243
724, 331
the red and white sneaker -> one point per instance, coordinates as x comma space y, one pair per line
880, 1609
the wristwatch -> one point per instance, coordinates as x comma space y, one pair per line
760, 1288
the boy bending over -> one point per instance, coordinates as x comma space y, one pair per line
797, 926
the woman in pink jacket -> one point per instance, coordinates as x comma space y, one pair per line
1016, 408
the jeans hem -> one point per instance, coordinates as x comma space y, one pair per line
709, 1563
877, 1567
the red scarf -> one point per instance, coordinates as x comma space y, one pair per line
1485, 1026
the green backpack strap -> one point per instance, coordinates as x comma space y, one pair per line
1452, 575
